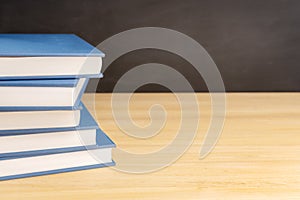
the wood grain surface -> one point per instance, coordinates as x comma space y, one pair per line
257, 156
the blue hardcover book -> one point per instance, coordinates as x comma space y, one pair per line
28, 145
81, 116
51, 94
76, 161
34, 56
55, 163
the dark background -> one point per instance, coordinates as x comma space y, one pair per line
255, 44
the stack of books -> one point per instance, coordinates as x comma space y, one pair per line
44, 126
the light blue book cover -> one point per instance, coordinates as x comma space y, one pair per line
15, 46
67, 82
43, 45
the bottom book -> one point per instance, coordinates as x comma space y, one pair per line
55, 163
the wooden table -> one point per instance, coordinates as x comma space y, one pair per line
257, 156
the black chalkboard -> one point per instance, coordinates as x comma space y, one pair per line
255, 44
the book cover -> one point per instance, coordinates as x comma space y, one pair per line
44, 45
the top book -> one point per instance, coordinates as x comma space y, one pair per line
28, 56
